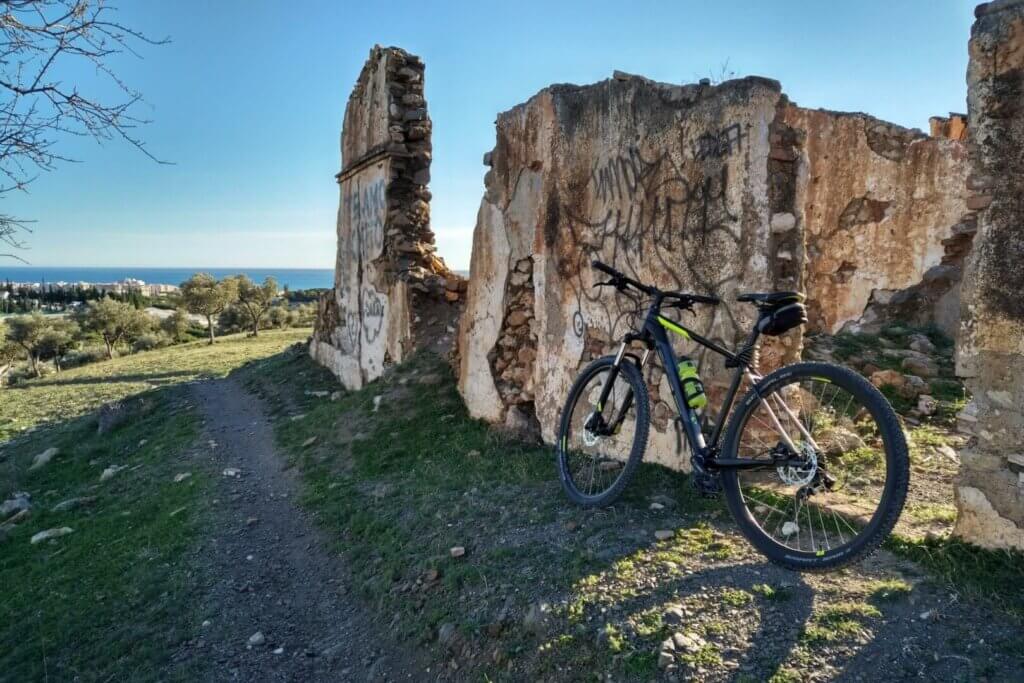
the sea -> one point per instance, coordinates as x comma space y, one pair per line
294, 278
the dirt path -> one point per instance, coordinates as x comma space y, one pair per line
265, 568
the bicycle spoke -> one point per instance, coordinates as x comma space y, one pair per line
825, 422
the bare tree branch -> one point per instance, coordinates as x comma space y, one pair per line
39, 40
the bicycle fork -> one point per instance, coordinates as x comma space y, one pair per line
597, 421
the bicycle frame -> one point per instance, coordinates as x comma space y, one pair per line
705, 455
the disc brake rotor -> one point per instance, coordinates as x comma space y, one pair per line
803, 474
590, 438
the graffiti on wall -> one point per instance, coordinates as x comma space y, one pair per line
664, 211
367, 206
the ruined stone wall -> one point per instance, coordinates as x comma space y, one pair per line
877, 200
386, 272
990, 349
669, 184
711, 189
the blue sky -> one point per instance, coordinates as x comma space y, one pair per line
247, 101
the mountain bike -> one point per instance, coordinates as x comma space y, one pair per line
813, 462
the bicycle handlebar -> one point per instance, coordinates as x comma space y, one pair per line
621, 280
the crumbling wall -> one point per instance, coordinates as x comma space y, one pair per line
877, 201
990, 349
386, 272
670, 184
711, 189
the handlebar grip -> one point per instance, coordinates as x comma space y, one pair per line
597, 265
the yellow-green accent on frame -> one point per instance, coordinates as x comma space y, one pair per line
669, 325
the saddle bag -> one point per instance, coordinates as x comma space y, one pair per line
782, 319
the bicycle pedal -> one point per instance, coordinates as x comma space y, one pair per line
706, 484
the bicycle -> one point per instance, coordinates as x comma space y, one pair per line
795, 466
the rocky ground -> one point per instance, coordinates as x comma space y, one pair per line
268, 526
276, 599
461, 537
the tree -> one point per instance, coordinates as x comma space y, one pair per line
9, 353
112, 320
254, 300
28, 331
176, 325
58, 340
42, 42
278, 316
205, 296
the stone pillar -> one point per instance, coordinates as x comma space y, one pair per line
990, 349
386, 272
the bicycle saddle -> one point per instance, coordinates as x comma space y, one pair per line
769, 298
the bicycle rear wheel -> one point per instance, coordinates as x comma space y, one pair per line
600, 446
846, 496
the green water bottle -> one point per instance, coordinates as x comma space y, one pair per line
693, 388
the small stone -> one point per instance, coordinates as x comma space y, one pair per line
922, 367
257, 639
927, 405
252, 521
783, 222
74, 503
309, 442
664, 534
50, 533
182, 476
16, 503
43, 458
665, 659
335, 395
921, 344
446, 633
279, 651
657, 506
112, 471
790, 528
688, 642
205, 624
457, 551
473, 454
232, 472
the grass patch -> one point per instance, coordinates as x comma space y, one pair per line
985, 574
771, 593
838, 622
736, 597
889, 590
401, 483
112, 599
81, 390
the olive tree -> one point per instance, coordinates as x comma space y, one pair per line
114, 322
255, 300
27, 332
58, 340
204, 295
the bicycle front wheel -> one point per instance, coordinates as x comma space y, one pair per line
600, 445
847, 480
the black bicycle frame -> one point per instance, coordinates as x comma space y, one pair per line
653, 335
